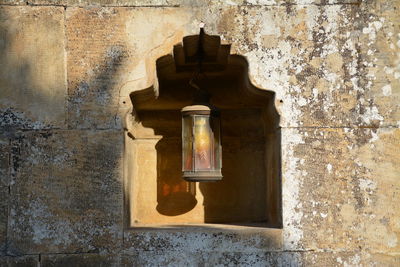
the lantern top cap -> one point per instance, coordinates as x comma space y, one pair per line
196, 108
200, 109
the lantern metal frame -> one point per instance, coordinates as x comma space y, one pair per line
191, 172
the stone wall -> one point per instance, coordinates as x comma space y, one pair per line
67, 68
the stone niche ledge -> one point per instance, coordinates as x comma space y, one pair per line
203, 237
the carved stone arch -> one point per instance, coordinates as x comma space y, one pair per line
250, 192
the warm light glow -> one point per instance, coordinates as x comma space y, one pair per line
202, 143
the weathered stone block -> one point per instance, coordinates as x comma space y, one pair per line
161, 3
133, 3
95, 57
20, 261
97, 54
215, 258
297, 2
83, 3
347, 258
5, 151
380, 63
67, 195
4, 194
87, 260
152, 258
47, 2
12, 2
4, 202
111, 54
382, 259
32, 75
295, 54
209, 238
337, 205
311, 58
239, 258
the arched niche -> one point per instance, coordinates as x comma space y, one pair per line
250, 192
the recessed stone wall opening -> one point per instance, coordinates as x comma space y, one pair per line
250, 192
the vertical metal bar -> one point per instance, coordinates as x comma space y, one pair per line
193, 145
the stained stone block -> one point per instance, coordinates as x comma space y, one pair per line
67, 195
380, 68
299, 57
311, 58
337, 205
32, 76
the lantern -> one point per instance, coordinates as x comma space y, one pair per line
201, 144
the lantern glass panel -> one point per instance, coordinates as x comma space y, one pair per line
187, 143
203, 143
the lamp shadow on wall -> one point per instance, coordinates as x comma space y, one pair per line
250, 192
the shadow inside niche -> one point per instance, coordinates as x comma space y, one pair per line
250, 190
175, 196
